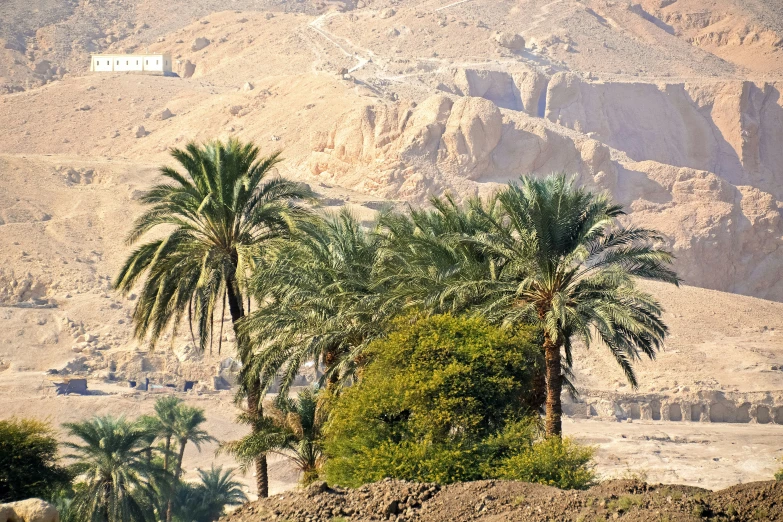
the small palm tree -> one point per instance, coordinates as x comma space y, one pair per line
318, 302
294, 430
216, 219
206, 500
161, 425
572, 268
187, 428
117, 480
218, 489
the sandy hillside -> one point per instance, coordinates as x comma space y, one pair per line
672, 106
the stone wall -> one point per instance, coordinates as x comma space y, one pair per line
699, 406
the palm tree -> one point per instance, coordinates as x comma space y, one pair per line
187, 428
161, 425
318, 301
206, 500
218, 489
216, 219
572, 268
426, 262
431, 263
117, 479
293, 429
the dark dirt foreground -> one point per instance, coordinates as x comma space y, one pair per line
499, 501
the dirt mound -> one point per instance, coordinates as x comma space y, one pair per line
500, 500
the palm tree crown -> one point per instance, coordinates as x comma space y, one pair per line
220, 212
117, 477
318, 302
574, 276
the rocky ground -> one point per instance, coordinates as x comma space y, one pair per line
496, 501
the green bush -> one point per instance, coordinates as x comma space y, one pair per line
555, 462
779, 475
442, 399
28, 461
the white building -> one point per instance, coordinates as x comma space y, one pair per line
146, 63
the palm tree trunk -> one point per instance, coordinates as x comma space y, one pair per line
177, 473
262, 473
254, 407
166, 454
554, 387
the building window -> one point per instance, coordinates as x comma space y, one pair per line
127, 62
157, 62
146, 62
108, 62
118, 62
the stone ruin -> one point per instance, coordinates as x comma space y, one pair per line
698, 406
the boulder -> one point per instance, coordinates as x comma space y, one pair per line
165, 115
388, 13
189, 69
42, 67
513, 42
248, 86
199, 43
139, 131
30, 510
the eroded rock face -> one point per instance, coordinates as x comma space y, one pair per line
472, 133
728, 128
725, 236
700, 406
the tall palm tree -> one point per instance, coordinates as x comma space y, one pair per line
293, 429
431, 262
111, 458
573, 270
318, 301
426, 262
215, 218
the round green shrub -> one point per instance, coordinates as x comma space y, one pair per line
432, 403
29, 465
555, 462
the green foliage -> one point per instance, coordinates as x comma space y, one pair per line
779, 474
553, 461
625, 503
292, 429
118, 482
432, 403
28, 461
318, 300
215, 215
206, 500
430, 260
